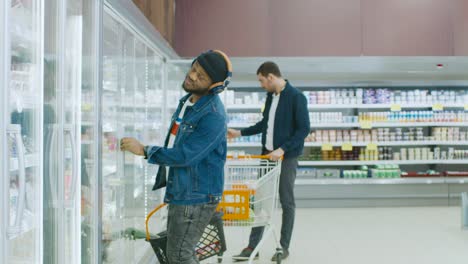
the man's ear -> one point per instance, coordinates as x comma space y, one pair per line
270, 77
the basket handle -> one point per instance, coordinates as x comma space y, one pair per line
148, 218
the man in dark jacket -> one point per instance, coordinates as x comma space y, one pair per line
195, 152
284, 126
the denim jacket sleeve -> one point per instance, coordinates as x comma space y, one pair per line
210, 131
301, 122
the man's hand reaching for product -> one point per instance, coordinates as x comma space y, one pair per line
132, 145
276, 155
233, 133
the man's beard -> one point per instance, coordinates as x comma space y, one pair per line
195, 91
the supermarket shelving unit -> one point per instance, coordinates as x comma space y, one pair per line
321, 74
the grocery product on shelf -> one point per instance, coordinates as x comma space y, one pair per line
385, 96
249, 139
388, 135
386, 153
385, 171
414, 116
233, 98
244, 118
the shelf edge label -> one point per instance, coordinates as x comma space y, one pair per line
395, 108
327, 147
365, 124
371, 146
347, 147
437, 107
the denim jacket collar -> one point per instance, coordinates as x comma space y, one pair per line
202, 102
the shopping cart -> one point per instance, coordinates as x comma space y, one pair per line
250, 194
211, 243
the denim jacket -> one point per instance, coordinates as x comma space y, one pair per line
196, 161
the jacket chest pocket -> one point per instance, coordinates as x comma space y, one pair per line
186, 127
185, 130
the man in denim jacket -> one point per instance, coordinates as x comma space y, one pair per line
195, 152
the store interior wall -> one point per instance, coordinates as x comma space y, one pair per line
460, 11
321, 27
237, 27
407, 28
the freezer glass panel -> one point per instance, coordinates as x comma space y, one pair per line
175, 77
72, 73
23, 133
51, 134
132, 107
112, 183
155, 130
89, 145
63, 42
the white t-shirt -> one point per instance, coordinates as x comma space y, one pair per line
271, 122
175, 127
176, 124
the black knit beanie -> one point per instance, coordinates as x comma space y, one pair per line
214, 64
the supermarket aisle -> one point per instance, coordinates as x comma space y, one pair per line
429, 235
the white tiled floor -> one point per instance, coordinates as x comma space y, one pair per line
410, 235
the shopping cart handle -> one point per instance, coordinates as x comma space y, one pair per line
148, 237
250, 157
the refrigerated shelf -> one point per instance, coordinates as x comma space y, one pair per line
341, 181
380, 106
419, 180
391, 124
380, 162
350, 106
30, 160
363, 144
372, 124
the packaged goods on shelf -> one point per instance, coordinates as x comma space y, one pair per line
385, 96
251, 118
355, 174
249, 139
328, 173
387, 153
428, 173
455, 173
414, 116
385, 171
307, 172
233, 98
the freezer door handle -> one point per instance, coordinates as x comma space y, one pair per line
15, 130
51, 151
68, 131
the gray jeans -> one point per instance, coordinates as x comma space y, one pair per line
185, 226
288, 204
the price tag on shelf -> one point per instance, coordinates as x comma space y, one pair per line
395, 108
437, 107
365, 124
86, 107
347, 147
466, 107
371, 146
327, 147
